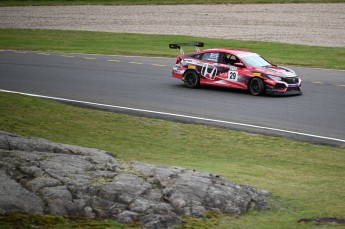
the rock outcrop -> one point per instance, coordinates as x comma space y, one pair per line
39, 176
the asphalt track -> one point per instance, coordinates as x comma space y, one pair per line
144, 86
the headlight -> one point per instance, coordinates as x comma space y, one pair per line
275, 77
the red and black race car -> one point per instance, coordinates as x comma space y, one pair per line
234, 68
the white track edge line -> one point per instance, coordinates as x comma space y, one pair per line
176, 115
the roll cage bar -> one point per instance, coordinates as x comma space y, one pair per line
179, 46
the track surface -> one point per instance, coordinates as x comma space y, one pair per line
146, 83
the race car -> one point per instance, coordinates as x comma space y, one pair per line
234, 68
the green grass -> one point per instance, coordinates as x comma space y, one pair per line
149, 2
157, 45
306, 180
22, 220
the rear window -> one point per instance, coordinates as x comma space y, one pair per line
211, 56
196, 56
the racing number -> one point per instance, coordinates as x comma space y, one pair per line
232, 75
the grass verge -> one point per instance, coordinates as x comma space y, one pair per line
306, 180
157, 45
22, 220
148, 2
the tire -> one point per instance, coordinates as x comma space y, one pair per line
257, 86
191, 79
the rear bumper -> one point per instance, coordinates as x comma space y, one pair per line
178, 73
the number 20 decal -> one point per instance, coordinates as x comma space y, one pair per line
232, 75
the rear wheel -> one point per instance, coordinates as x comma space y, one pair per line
191, 79
257, 86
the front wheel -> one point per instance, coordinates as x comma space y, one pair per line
257, 86
191, 79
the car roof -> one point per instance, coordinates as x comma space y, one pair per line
230, 50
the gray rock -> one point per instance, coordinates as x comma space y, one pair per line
127, 217
13, 197
38, 176
56, 192
159, 221
140, 205
40, 182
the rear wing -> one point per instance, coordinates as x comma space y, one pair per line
179, 46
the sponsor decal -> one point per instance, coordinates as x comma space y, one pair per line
256, 74
211, 57
209, 71
191, 67
214, 57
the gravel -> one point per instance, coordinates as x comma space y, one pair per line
308, 24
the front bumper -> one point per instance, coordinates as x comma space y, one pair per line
288, 86
275, 92
285, 89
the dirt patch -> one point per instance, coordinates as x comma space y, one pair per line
308, 24
323, 221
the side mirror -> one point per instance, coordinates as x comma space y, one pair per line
239, 64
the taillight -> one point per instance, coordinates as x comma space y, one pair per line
178, 59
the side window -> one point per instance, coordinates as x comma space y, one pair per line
229, 59
211, 56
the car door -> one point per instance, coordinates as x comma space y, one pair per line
233, 70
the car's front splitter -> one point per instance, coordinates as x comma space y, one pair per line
276, 92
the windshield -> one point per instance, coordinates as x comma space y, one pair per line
255, 61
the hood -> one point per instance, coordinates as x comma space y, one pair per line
280, 71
